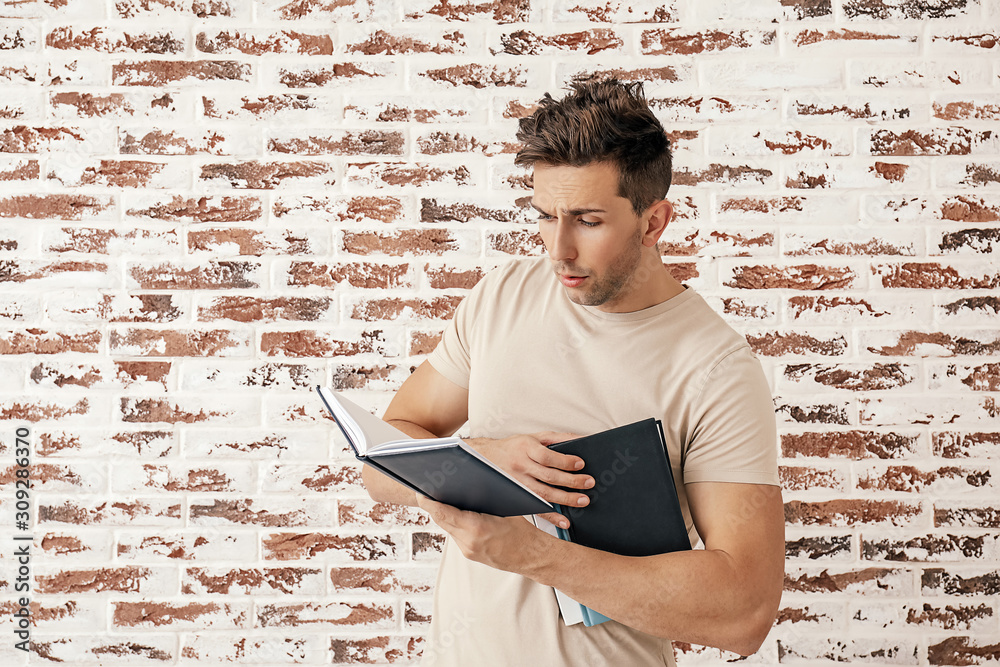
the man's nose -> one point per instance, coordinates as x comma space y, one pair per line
562, 246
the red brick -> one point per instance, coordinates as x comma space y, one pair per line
423, 342
251, 581
676, 41
778, 343
500, 11
257, 242
24, 139
602, 11
175, 478
309, 343
911, 479
174, 545
346, 209
370, 377
20, 170
366, 513
377, 649
849, 445
202, 209
849, 512
527, 43
119, 375
964, 208
478, 76
944, 141
363, 142
377, 310
881, 42
381, 42
855, 377
797, 478
60, 207
256, 309
41, 341
929, 275
402, 243
308, 546
803, 277
149, 410
966, 445
200, 615
427, 546
518, 242
148, 512
921, 343
111, 105
289, 106
104, 40
178, 142
715, 243
396, 174
821, 547
341, 74
366, 275
326, 11
95, 240
942, 581
721, 173
866, 10
268, 175
447, 277
963, 651
127, 9
122, 174
966, 517
835, 413
214, 275
300, 479
972, 109
115, 307
432, 211
311, 614
437, 110
261, 42
118, 580
438, 143
161, 73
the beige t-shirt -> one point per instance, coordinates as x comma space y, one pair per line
535, 361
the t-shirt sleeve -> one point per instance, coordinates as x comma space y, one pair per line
452, 357
734, 438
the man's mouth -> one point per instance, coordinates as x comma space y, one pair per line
571, 281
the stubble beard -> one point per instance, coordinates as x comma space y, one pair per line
616, 281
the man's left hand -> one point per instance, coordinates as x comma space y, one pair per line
504, 543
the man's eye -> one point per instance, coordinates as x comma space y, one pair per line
589, 223
545, 218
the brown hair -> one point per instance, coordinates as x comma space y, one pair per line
601, 121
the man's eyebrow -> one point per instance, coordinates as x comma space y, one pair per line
575, 211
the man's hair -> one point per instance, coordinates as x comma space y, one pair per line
601, 121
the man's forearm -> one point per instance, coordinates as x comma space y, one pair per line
692, 596
383, 488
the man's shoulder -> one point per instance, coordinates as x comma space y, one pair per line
514, 271
705, 330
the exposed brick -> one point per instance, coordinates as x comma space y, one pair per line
438, 308
966, 517
395, 174
257, 242
967, 110
106, 40
904, 9
341, 74
946, 141
24, 139
381, 42
111, 105
804, 277
930, 548
308, 614
353, 548
919, 343
676, 41
376, 649
366, 275
346, 209
268, 175
60, 207
721, 173
516, 242
815, 413
432, 211
875, 580
178, 142
911, 479
148, 512
857, 38
437, 143
501, 11
852, 512
527, 43
855, 378
806, 479
963, 651
314, 344
422, 342
350, 377
20, 170
365, 142
940, 580
970, 209
201, 615
777, 344
437, 110
966, 445
160, 73
202, 209
445, 277
850, 445
41, 341
478, 76
263, 107
400, 244
260, 42
95, 240
255, 581
118, 580
823, 547
256, 309
214, 275
149, 410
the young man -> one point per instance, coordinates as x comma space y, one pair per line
597, 335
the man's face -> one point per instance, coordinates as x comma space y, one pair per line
592, 235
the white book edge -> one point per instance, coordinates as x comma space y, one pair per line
571, 610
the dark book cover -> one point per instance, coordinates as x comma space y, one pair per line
634, 509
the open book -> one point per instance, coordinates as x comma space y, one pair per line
444, 469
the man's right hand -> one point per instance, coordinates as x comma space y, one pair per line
529, 460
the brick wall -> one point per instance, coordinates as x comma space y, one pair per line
209, 206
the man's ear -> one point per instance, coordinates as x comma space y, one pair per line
657, 218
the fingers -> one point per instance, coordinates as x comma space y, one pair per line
552, 437
556, 519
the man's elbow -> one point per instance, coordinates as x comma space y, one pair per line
751, 631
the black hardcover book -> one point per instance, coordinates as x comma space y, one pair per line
444, 469
634, 509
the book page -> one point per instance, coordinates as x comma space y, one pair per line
370, 430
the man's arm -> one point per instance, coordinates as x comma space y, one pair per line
428, 405
725, 596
